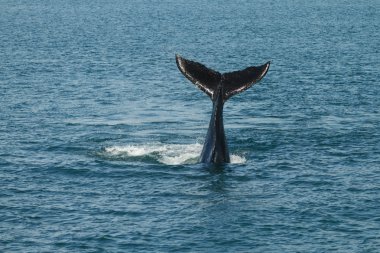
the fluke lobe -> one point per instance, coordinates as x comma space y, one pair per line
219, 87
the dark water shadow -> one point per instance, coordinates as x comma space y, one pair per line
216, 182
214, 168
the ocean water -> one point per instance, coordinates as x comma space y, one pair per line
100, 133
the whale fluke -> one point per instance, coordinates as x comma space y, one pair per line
208, 80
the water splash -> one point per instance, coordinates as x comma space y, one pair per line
170, 154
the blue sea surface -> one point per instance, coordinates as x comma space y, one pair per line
100, 133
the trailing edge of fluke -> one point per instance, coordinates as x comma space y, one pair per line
219, 87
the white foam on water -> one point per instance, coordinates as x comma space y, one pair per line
238, 159
134, 150
170, 154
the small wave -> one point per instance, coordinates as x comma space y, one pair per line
170, 154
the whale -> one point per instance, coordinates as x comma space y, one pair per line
219, 87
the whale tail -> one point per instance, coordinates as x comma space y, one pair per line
208, 80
